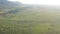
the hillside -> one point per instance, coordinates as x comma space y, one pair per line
28, 19
8, 4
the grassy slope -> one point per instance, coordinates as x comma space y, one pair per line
30, 21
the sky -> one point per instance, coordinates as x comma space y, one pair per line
43, 2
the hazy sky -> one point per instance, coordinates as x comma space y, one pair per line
45, 2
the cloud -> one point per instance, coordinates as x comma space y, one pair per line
48, 2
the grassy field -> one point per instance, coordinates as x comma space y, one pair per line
30, 21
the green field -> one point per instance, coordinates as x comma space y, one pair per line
30, 21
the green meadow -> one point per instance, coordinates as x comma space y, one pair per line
33, 20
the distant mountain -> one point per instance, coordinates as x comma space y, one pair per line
6, 3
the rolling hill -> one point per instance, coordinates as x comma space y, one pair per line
18, 18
